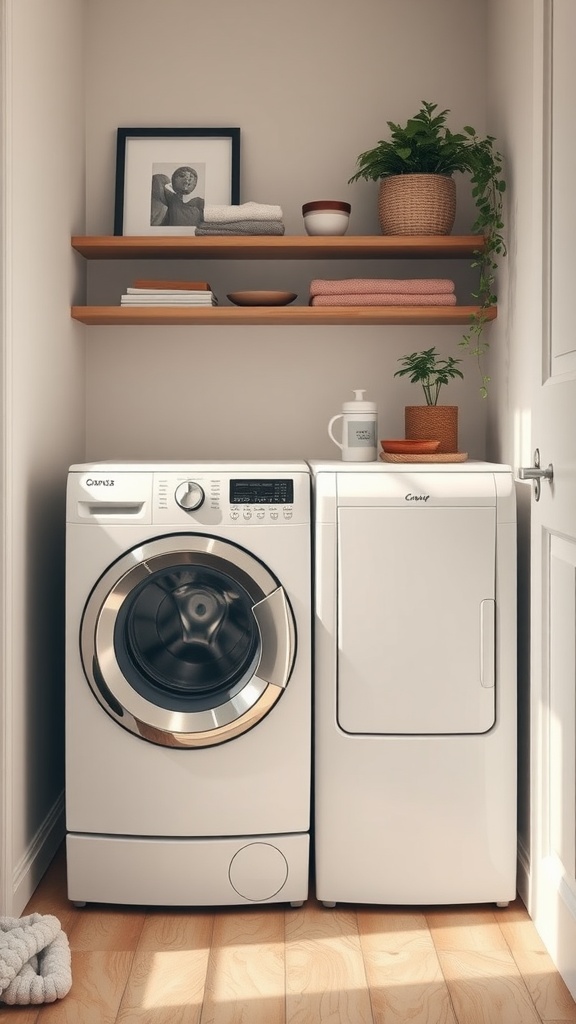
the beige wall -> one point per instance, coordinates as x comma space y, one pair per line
310, 86
43, 416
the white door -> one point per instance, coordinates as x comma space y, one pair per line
553, 709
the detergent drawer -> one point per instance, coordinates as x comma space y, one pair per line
416, 619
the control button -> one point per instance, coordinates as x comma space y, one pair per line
288, 513
234, 514
273, 515
247, 513
189, 496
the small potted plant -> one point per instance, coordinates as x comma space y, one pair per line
431, 420
417, 195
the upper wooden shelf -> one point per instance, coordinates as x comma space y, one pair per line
285, 247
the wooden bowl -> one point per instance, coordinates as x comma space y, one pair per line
261, 298
403, 446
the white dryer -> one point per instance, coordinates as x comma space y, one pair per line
415, 683
188, 683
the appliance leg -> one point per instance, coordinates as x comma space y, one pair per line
503, 903
79, 903
297, 903
329, 904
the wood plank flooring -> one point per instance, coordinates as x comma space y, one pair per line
279, 965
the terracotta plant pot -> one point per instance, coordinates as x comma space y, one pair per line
438, 422
417, 204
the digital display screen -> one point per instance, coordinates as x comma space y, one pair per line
261, 492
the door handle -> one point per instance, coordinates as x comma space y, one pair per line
487, 641
277, 638
536, 473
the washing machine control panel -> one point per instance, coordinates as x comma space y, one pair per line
242, 499
188, 495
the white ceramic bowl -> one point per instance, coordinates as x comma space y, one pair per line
326, 217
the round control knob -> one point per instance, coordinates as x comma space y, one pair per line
189, 496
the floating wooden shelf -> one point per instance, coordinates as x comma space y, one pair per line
285, 247
270, 315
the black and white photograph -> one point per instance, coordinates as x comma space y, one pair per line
164, 176
177, 195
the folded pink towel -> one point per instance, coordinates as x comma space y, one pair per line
361, 285
349, 299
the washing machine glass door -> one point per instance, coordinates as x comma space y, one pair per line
188, 640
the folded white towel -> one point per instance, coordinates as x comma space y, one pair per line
214, 214
35, 961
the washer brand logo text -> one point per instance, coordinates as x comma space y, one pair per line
416, 497
99, 483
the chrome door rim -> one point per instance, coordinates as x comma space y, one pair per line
132, 710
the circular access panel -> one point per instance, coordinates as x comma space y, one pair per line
258, 871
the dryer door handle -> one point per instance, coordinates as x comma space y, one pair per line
487, 642
277, 637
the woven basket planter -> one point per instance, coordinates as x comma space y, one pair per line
433, 422
417, 204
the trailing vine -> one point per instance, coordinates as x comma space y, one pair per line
488, 187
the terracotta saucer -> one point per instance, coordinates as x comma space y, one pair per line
405, 446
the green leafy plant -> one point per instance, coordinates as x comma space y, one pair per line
431, 370
425, 145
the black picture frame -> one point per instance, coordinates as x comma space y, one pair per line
145, 159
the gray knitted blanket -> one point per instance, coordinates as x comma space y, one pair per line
35, 962
242, 227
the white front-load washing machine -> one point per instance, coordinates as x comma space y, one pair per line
188, 683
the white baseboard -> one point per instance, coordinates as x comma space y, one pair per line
37, 857
553, 912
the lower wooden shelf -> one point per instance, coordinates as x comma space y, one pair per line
102, 316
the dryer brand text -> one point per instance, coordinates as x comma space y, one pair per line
416, 497
99, 483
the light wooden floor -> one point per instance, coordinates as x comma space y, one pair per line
278, 965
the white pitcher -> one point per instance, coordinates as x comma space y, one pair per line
359, 429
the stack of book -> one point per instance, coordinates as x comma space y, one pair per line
169, 293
